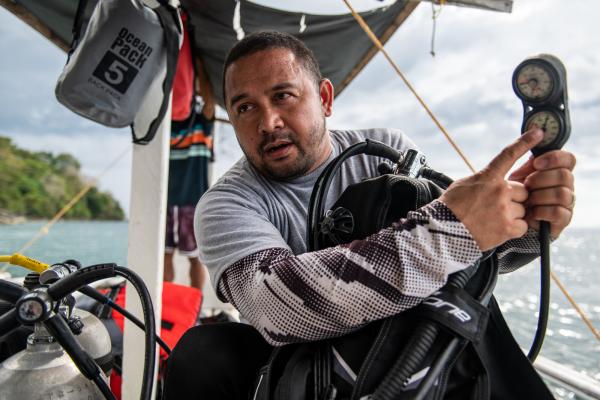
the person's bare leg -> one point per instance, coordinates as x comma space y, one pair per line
198, 273
169, 272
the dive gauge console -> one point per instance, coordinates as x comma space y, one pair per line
541, 84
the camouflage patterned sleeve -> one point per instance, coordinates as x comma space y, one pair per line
333, 291
515, 253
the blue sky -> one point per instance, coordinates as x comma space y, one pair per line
467, 85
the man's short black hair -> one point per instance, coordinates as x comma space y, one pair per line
259, 41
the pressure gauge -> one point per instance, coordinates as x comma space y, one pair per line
534, 81
548, 121
541, 84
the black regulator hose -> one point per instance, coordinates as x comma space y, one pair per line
102, 299
8, 322
59, 271
456, 344
79, 278
442, 180
316, 206
11, 292
540, 333
148, 311
85, 276
59, 329
414, 352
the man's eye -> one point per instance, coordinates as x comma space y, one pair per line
242, 108
282, 95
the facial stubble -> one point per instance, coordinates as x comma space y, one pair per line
305, 158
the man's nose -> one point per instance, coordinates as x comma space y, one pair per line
270, 120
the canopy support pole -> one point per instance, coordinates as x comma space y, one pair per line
149, 177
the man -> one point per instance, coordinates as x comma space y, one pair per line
191, 152
251, 225
189, 158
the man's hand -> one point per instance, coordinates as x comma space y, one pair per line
492, 208
549, 182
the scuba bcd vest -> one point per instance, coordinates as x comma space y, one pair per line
454, 345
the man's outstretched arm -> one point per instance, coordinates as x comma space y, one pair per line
333, 291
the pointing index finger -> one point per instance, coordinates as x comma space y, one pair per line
504, 161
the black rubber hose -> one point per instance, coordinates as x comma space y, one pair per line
449, 353
150, 337
540, 333
102, 299
415, 351
456, 344
8, 322
437, 177
59, 329
104, 388
316, 206
413, 354
80, 278
11, 292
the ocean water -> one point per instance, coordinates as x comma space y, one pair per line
575, 259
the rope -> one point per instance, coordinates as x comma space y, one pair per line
378, 44
46, 228
434, 16
581, 313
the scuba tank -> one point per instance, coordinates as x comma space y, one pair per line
68, 355
95, 339
45, 370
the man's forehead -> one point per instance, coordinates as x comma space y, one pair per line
264, 68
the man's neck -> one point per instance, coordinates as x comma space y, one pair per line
324, 152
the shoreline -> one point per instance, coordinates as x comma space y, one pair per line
8, 218
19, 220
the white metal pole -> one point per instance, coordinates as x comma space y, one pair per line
149, 176
147, 215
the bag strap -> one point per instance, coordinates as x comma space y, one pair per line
77, 25
169, 19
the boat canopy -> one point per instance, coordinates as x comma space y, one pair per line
339, 44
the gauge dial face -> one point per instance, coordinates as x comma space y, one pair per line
548, 122
534, 82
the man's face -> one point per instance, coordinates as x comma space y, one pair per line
278, 113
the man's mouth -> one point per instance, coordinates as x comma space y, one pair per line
277, 149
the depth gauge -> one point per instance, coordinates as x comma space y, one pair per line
541, 84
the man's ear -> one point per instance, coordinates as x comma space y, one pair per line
326, 95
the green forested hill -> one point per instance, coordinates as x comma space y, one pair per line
37, 185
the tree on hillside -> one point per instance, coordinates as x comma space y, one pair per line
39, 184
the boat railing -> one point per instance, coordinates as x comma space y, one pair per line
582, 385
